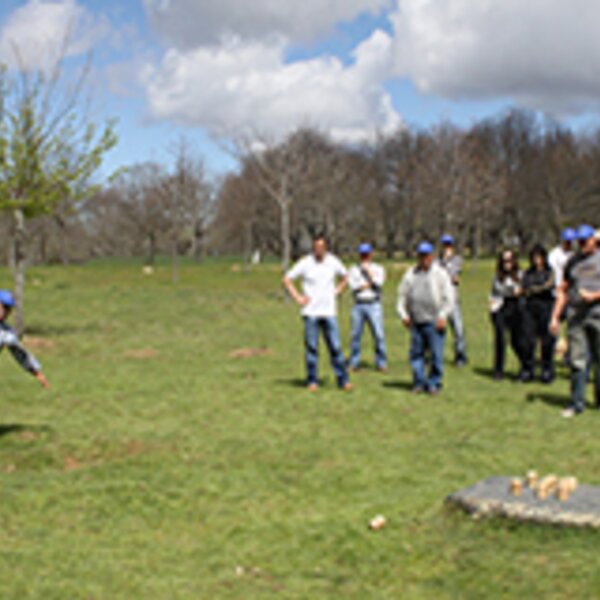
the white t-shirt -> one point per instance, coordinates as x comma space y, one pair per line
318, 283
356, 280
558, 259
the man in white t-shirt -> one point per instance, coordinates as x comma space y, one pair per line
320, 272
560, 255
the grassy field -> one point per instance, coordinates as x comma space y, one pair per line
159, 466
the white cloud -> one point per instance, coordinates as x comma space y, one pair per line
34, 35
543, 53
246, 86
186, 24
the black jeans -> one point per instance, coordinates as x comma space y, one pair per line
508, 317
536, 326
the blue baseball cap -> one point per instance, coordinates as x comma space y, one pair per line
7, 299
365, 249
447, 240
425, 248
568, 235
585, 232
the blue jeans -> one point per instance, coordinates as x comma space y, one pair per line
372, 314
329, 327
426, 338
458, 329
584, 346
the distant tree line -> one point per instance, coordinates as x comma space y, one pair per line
511, 180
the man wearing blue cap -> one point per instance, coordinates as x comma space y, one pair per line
323, 278
366, 280
580, 291
10, 340
425, 302
452, 262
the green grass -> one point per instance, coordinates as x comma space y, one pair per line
184, 473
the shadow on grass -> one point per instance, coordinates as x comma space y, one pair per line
489, 374
560, 400
398, 385
10, 428
295, 382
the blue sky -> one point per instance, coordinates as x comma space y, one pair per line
215, 71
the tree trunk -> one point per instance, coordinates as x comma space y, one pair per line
198, 250
150, 256
19, 258
175, 262
285, 236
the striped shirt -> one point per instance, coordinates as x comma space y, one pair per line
10, 340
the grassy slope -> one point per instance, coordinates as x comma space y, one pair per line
157, 476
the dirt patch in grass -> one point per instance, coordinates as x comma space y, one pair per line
71, 463
39, 343
28, 436
250, 352
142, 353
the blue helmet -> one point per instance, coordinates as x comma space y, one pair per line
425, 248
585, 232
447, 240
7, 299
568, 235
365, 249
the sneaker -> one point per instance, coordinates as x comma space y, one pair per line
525, 377
547, 377
347, 387
434, 391
568, 413
383, 369
498, 376
460, 362
313, 387
418, 390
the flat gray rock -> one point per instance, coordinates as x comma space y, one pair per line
492, 498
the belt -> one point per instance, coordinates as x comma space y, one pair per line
375, 301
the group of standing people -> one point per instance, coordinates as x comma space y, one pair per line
525, 306
562, 286
427, 302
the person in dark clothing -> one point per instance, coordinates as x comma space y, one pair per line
538, 290
506, 310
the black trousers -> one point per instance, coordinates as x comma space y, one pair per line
508, 318
536, 326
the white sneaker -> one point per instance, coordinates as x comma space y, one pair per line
568, 413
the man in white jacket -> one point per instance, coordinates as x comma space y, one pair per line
425, 301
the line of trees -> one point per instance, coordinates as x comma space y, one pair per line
512, 180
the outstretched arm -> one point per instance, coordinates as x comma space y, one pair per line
25, 359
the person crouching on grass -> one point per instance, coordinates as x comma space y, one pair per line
9, 339
425, 301
319, 272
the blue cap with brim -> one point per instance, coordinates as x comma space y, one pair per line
424, 248
365, 249
569, 235
7, 299
447, 240
585, 232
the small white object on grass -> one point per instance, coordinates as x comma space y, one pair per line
377, 523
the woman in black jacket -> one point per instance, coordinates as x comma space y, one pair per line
538, 290
506, 310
